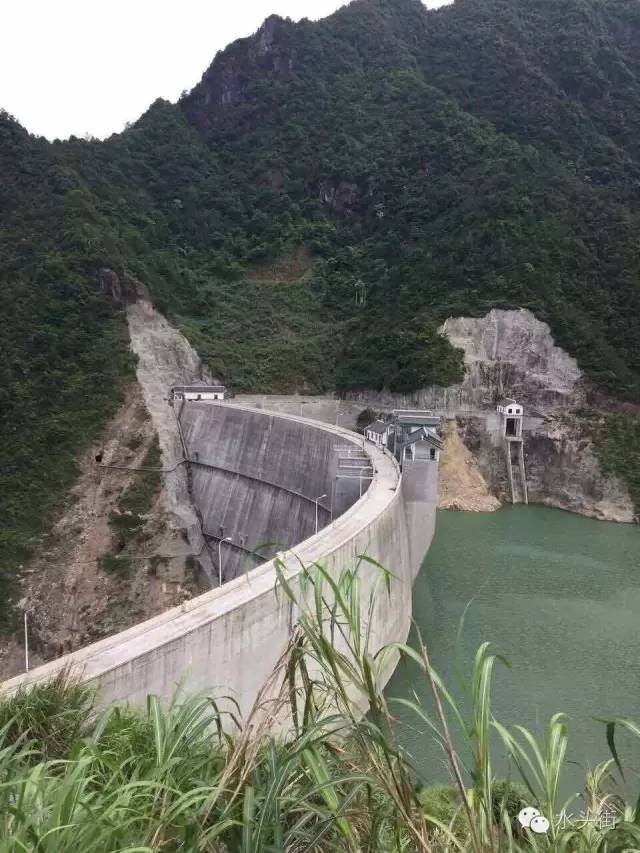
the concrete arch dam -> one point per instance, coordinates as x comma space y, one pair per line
257, 474
256, 478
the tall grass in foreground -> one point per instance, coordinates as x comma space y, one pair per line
305, 772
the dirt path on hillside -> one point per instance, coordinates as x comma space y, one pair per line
461, 485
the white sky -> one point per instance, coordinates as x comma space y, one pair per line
88, 66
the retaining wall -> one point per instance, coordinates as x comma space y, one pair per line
227, 641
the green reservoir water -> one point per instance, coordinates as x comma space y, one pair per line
559, 596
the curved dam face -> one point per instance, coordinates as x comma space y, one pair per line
257, 476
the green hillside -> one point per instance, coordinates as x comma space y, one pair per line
316, 206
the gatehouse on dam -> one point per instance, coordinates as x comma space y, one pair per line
266, 484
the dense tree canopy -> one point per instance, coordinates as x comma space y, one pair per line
313, 210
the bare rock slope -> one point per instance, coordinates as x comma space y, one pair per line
512, 354
166, 358
70, 594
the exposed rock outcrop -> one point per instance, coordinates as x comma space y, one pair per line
341, 198
563, 470
513, 354
561, 464
506, 353
110, 284
226, 82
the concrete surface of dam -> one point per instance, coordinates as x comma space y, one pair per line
258, 474
256, 478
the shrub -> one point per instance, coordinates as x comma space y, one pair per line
52, 715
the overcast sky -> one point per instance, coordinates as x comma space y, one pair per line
89, 66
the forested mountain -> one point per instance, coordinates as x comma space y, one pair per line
315, 207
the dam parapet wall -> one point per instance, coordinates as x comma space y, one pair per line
227, 641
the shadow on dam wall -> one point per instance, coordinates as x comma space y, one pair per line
255, 478
226, 642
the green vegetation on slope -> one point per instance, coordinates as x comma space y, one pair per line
422, 164
63, 346
167, 778
134, 506
618, 448
438, 205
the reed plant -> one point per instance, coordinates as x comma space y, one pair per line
317, 765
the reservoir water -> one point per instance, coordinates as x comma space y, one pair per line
559, 596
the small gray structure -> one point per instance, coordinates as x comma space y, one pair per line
416, 445
378, 432
198, 391
423, 444
511, 415
511, 418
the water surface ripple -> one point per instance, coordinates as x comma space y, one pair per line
559, 596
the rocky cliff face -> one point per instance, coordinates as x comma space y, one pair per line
561, 464
512, 354
563, 470
225, 83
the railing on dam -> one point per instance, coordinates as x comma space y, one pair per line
227, 641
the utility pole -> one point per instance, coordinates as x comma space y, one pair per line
319, 498
226, 539
26, 640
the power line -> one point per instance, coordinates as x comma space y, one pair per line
143, 468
